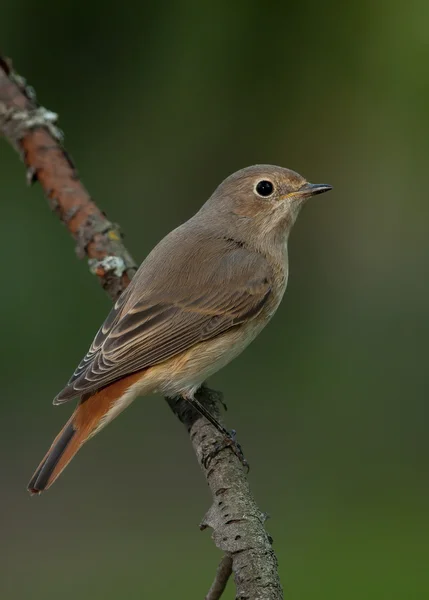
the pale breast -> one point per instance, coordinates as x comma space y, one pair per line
186, 372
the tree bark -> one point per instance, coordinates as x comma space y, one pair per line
236, 521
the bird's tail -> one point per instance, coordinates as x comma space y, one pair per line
91, 415
62, 450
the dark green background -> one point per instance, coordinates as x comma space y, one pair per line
159, 103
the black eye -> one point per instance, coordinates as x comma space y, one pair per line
264, 188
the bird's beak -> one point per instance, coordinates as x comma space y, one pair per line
311, 189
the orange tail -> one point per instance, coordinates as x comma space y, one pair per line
86, 420
63, 448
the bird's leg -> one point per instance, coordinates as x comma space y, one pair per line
229, 437
207, 414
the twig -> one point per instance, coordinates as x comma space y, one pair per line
223, 573
237, 523
31, 129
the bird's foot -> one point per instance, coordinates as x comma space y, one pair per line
229, 441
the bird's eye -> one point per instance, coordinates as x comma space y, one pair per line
264, 188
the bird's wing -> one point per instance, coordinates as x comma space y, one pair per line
152, 322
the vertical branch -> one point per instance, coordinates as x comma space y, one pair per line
236, 521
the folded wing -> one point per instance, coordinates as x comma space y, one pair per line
167, 310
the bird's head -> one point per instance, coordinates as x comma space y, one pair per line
263, 199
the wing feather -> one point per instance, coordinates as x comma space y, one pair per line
151, 323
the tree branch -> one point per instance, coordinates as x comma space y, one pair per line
31, 129
237, 523
223, 573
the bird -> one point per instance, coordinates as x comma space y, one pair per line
199, 298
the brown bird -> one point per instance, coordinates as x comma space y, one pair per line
198, 299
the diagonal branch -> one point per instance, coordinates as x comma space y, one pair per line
237, 523
223, 573
31, 129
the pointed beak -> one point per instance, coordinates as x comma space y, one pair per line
311, 189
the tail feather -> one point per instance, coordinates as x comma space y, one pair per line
91, 415
62, 450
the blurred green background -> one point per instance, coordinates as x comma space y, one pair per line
160, 102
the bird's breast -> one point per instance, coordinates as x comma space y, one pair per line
278, 287
185, 373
